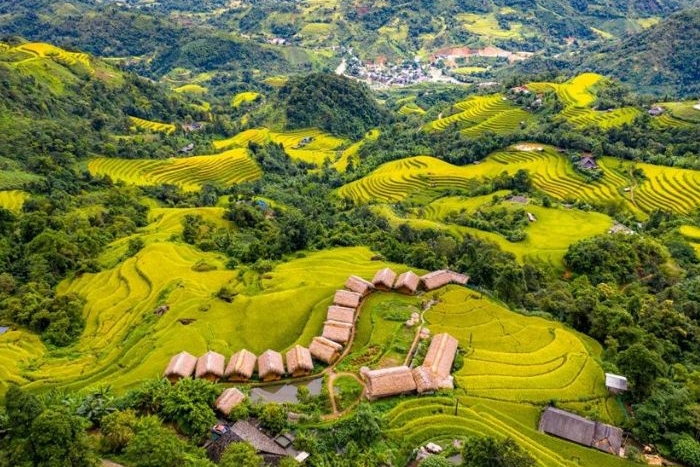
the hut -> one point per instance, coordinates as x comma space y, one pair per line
181, 366
241, 366
270, 366
228, 400
341, 314
407, 283
425, 380
436, 279
337, 331
359, 285
325, 350
388, 381
299, 361
347, 299
384, 279
244, 431
616, 384
440, 357
572, 427
210, 366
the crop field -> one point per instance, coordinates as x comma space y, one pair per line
687, 111
197, 89
157, 127
667, 120
692, 234
411, 108
487, 25
13, 199
40, 49
482, 113
230, 167
276, 81
350, 154
244, 98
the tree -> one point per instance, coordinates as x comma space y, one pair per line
188, 403
490, 452
641, 366
118, 429
57, 438
155, 446
21, 408
273, 417
240, 455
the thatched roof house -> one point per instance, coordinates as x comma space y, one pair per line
341, 313
270, 366
325, 350
337, 331
436, 279
388, 381
407, 283
347, 299
440, 357
227, 400
244, 431
384, 279
359, 285
425, 380
299, 361
241, 366
181, 366
210, 366
580, 430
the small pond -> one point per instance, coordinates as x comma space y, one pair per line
281, 393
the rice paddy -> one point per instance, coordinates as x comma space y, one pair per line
148, 125
244, 98
479, 114
196, 89
13, 199
487, 25
40, 49
190, 173
686, 111
411, 108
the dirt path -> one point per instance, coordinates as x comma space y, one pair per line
331, 393
416, 339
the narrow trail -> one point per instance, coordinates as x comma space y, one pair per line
416, 338
331, 380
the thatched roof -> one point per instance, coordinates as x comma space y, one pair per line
241, 365
181, 366
324, 349
384, 279
615, 382
259, 440
270, 364
341, 313
230, 398
436, 279
210, 364
389, 382
567, 425
407, 282
347, 299
425, 380
337, 331
441, 355
359, 285
299, 360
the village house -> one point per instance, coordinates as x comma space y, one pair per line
337, 331
388, 381
210, 366
325, 350
181, 366
440, 357
340, 314
347, 299
359, 285
228, 400
299, 361
241, 366
572, 427
242, 430
616, 384
384, 279
655, 111
407, 283
436, 279
587, 162
270, 366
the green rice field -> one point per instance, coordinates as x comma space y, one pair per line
479, 114
148, 125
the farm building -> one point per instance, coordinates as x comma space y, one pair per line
407, 283
425, 380
436, 279
270, 366
572, 427
299, 361
655, 111
347, 299
325, 350
244, 431
384, 279
359, 285
439, 359
228, 400
241, 366
181, 366
616, 384
341, 314
210, 366
588, 163
388, 381
337, 331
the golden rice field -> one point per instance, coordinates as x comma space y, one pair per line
322, 146
40, 49
148, 125
487, 25
479, 114
197, 89
350, 154
276, 81
13, 199
688, 111
124, 342
577, 96
189, 173
244, 98
411, 108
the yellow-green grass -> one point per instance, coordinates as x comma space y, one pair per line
124, 342
666, 120
647, 22
350, 154
191, 89
411, 108
41, 49
397, 31
276, 81
190, 173
440, 419
148, 125
13, 199
691, 232
666, 188
487, 25
17, 350
687, 111
467, 70
244, 98
473, 111
316, 29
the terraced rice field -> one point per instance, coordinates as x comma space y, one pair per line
157, 127
13, 199
666, 120
482, 113
411, 108
276, 81
350, 154
667, 188
40, 49
577, 96
244, 97
487, 25
692, 234
190, 173
687, 111
197, 89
